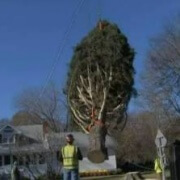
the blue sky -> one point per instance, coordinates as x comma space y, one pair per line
32, 31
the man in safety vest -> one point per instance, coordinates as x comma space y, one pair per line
69, 156
158, 168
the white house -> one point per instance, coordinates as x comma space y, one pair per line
23, 144
34, 147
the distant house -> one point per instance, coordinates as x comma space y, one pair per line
34, 147
23, 144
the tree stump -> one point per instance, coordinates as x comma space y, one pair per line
97, 150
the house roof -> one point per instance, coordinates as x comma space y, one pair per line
57, 140
3, 126
32, 131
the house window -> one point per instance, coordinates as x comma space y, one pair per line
7, 135
31, 157
7, 160
57, 154
35, 158
0, 138
20, 160
15, 159
11, 139
27, 161
0, 160
8, 140
41, 159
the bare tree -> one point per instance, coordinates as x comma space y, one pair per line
136, 140
162, 73
45, 107
24, 118
136, 143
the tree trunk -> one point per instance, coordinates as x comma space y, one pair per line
97, 150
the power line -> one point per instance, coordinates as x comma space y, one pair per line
62, 46
99, 9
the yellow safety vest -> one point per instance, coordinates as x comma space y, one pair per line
70, 159
157, 166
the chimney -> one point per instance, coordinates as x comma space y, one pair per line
46, 129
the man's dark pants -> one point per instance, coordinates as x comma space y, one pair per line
70, 174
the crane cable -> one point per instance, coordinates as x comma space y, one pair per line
62, 46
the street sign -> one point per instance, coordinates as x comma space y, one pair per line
160, 140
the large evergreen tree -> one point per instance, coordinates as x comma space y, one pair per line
100, 84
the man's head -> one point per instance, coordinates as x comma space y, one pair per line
69, 139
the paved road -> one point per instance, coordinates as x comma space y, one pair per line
151, 176
114, 177
145, 175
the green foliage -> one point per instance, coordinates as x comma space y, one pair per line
106, 48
